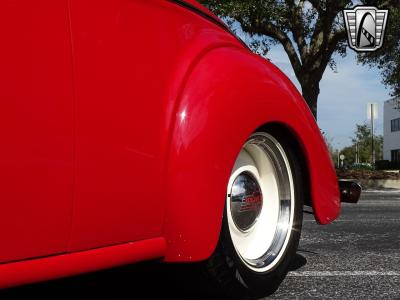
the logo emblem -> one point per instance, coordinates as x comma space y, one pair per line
251, 202
365, 27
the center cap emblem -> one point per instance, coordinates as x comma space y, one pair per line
245, 200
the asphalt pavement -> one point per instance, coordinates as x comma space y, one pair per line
355, 257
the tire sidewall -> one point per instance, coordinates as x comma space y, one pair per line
262, 283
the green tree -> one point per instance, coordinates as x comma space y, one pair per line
362, 143
387, 58
349, 154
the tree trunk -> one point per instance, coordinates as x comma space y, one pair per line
310, 91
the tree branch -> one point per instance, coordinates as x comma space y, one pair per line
297, 27
335, 38
274, 32
316, 4
321, 39
323, 56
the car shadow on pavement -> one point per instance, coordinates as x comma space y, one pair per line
148, 280
298, 262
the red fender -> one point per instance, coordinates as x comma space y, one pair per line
228, 94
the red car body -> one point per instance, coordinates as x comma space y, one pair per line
119, 125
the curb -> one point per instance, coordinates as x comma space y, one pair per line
378, 183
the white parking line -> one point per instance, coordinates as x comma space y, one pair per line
396, 191
360, 220
341, 273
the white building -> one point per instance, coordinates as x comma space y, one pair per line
391, 130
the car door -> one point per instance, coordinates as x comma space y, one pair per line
119, 116
36, 128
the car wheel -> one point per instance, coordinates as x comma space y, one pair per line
262, 218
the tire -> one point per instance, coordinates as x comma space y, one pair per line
262, 219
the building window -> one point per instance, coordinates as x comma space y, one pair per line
395, 125
395, 155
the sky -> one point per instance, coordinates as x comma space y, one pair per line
344, 95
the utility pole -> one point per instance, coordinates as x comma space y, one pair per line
338, 159
372, 134
357, 155
372, 113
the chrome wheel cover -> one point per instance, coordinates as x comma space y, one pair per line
260, 202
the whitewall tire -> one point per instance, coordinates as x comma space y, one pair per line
262, 217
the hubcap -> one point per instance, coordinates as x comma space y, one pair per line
260, 230
246, 201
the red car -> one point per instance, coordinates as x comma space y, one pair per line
133, 130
